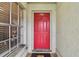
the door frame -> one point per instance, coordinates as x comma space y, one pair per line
41, 11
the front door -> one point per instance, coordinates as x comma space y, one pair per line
41, 30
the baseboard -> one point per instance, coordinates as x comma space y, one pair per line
58, 53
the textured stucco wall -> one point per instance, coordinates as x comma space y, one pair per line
24, 24
68, 29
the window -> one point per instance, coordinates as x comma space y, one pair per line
4, 12
14, 13
4, 38
11, 16
4, 30
4, 33
13, 36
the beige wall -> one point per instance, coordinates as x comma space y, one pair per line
67, 26
68, 29
41, 6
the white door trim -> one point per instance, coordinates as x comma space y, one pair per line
44, 11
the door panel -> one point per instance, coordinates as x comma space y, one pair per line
41, 30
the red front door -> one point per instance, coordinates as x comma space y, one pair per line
41, 30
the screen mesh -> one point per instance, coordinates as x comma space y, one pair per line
14, 13
4, 12
13, 36
4, 46
4, 33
